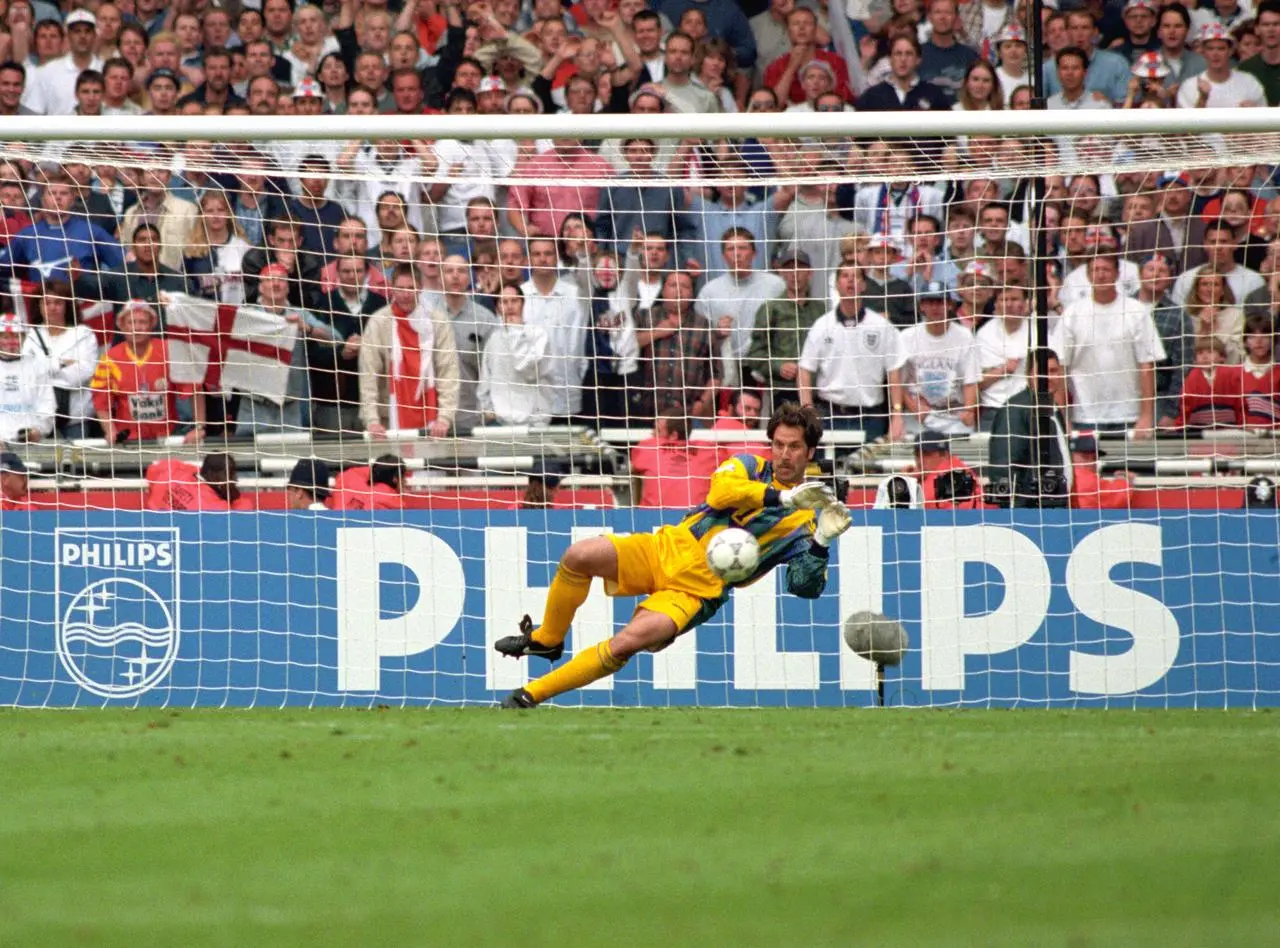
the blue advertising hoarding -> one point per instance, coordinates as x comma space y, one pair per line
1059, 609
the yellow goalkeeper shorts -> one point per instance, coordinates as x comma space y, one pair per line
669, 568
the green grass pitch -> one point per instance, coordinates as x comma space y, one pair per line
656, 827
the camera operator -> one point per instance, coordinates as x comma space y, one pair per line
1027, 455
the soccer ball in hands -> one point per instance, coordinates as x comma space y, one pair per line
733, 554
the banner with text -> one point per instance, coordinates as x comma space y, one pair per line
1060, 609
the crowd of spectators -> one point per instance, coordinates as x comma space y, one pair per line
438, 285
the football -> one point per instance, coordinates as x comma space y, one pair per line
876, 637
733, 554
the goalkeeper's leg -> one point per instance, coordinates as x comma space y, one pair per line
582, 562
646, 630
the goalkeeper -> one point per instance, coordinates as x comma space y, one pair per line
793, 521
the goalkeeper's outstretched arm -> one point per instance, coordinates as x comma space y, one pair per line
733, 489
807, 570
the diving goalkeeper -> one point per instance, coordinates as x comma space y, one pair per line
793, 522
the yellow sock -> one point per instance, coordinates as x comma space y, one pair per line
568, 591
584, 668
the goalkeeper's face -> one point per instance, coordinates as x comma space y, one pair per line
790, 454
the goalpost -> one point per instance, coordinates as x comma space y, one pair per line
601, 392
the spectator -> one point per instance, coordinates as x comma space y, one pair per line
813, 222
1176, 233
665, 467
178, 485
945, 58
88, 93
731, 302
889, 207
308, 485
545, 206
141, 277
172, 217
333, 362
646, 266
515, 367
28, 408
1011, 47
215, 251
1003, 342
1089, 491
1220, 246
133, 393
1204, 401
679, 89
1211, 311
1027, 464
784, 74
724, 19
1106, 73
1175, 329
612, 353
555, 305
473, 165
945, 480
1109, 347
641, 205
741, 414
1174, 24
940, 372
162, 92
13, 84
1254, 384
58, 240
852, 359
730, 205
1139, 34
904, 90
1219, 85
317, 218
1265, 66
773, 359
216, 89
72, 351
885, 293
679, 370
282, 250
472, 324
380, 486
13, 482
1073, 91
52, 90
408, 364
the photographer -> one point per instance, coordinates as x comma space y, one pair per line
1027, 454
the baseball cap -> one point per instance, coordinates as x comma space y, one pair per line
1011, 33
1173, 177
492, 84
792, 257
273, 270
311, 474
1211, 32
10, 463
1084, 443
1150, 5
163, 73
1150, 65
80, 16
934, 290
308, 88
931, 441
12, 322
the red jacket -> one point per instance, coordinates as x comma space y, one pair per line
670, 474
1090, 491
352, 491
176, 485
1257, 398
1204, 404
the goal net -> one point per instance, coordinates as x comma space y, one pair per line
301, 420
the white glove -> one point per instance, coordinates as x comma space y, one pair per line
811, 495
833, 520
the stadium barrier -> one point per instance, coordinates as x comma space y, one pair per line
1007, 609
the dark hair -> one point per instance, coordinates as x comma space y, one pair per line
459, 94
738, 233
87, 76
794, 415
677, 425
1185, 15
387, 469
1220, 223
677, 34
1258, 324
470, 61
155, 231
10, 65
736, 395
644, 16
404, 269
115, 62
907, 37
219, 471
1075, 51
217, 52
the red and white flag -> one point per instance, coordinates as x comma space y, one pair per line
99, 315
229, 347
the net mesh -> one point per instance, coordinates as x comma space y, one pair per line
514, 345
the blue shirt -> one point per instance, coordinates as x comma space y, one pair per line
44, 250
1108, 73
712, 219
724, 19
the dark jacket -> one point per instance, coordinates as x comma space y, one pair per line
333, 377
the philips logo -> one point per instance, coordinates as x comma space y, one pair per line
118, 554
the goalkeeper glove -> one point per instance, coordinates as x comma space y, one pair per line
811, 495
833, 520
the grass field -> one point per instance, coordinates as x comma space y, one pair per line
668, 828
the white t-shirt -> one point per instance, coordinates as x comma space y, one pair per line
478, 164
939, 367
1102, 346
1239, 89
562, 314
1076, 285
851, 361
741, 300
26, 395
996, 346
880, 210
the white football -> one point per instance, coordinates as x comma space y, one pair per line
733, 554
